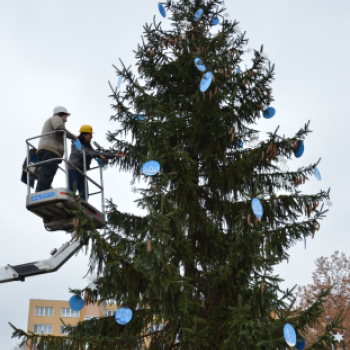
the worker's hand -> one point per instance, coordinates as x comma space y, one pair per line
120, 154
74, 137
104, 159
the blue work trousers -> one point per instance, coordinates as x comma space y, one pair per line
77, 180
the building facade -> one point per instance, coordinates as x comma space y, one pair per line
44, 315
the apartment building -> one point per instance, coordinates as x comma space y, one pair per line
44, 315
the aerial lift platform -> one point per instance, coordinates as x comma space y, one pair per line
54, 206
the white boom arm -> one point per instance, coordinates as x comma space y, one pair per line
11, 273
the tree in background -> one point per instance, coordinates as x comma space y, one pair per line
198, 265
334, 273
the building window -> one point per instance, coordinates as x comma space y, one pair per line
108, 313
90, 317
69, 313
43, 329
44, 311
62, 330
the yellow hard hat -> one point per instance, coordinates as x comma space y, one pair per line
86, 128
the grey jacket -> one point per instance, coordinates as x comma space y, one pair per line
53, 142
76, 156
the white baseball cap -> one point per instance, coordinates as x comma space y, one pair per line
60, 109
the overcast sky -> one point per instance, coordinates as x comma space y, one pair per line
61, 52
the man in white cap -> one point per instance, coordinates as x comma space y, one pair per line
52, 146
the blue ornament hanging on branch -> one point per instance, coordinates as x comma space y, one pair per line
206, 81
300, 345
199, 64
120, 79
269, 112
123, 315
161, 10
151, 168
289, 334
257, 208
239, 143
138, 117
76, 303
299, 149
214, 21
198, 15
317, 174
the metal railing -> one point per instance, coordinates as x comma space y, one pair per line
65, 170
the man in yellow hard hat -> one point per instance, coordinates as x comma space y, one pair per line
76, 180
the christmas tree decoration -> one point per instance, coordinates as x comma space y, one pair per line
161, 10
214, 21
238, 69
300, 345
199, 64
198, 15
185, 26
92, 278
289, 334
299, 149
100, 162
317, 174
283, 163
257, 208
239, 143
269, 113
123, 315
138, 117
338, 337
329, 204
76, 303
77, 144
120, 79
206, 81
151, 168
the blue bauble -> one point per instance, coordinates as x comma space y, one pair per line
289, 334
317, 174
300, 150
269, 112
76, 303
301, 345
257, 208
199, 64
161, 10
214, 21
206, 81
123, 315
138, 117
239, 143
198, 15
151, 168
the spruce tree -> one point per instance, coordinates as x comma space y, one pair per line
198, 266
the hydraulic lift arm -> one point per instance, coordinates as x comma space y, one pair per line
11, 273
